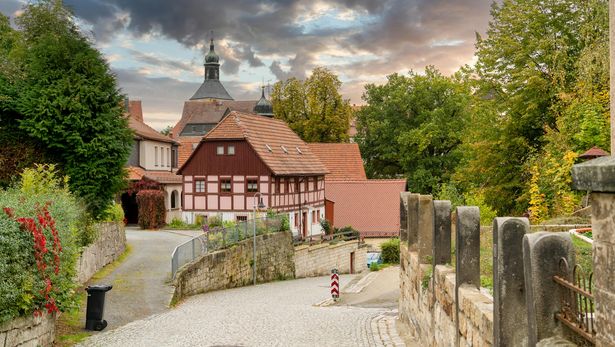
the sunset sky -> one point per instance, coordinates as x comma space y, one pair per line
156, 47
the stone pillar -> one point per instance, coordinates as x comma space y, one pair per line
441, 232
467, 254
598, 176
467, 246
403, 216
542, 252
413, 221
425, 234
508, 282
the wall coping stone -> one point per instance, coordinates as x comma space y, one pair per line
597, 175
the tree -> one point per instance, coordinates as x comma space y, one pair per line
167, 130
411, 126
527, 72
313, 108
69, 102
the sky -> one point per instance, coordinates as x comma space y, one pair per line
156, 47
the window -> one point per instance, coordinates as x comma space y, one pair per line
225, 185
230, 150
155, 155
168, 158
199, 186
161, 156
220, 150
242, 218
174, 198
307, 184
174, 157
252, 186
313, 217
296, 219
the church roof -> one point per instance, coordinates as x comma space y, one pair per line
263, 107
211, 89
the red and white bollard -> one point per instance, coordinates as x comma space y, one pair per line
335, 284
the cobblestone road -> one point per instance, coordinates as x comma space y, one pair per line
273, 314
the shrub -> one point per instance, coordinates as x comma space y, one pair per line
390, 251
39, 243
215, 221
326, 226
284, 223
152, 212
114, 213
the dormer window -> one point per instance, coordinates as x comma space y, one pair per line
269, 148
299, 150
284, 149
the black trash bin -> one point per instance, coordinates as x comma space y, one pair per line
96, 307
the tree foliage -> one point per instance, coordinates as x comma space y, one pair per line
542, 73
313, 108
65, 99
412, 126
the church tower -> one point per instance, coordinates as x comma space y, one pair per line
212, 88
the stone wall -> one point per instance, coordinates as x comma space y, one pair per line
427, 305
232, 267
28, 331
111, 243
319, 260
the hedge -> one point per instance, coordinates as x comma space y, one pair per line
152, 212
390, 251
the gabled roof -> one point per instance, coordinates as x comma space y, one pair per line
163, 177
209, 112
144, 131
369, 206
343, 160
211, 89
186, 148
274, 142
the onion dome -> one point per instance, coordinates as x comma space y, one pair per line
263, 107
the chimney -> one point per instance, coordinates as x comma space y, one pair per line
136, 112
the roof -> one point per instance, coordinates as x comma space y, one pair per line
135, 173
370, 206
185, 148
274, 142
342, 160
594, 152
163, 177
144, 131
206, 111
211, 89
135, 109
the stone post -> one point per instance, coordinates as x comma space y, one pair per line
425, 234
509, 329
403, 216
441, 232
467, 246
467, 254
542, 253
598, 176
413, 221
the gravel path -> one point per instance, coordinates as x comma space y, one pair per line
272, 314
140, 287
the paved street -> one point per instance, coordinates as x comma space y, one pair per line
140, 283
272, 314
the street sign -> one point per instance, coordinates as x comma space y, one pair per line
335, 284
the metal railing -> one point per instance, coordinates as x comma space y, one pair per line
217, 238
320, 238
577, 301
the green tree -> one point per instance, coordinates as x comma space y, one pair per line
313, 108
411, 126
167, 130
528, 71
69, 102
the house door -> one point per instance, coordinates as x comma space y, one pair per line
351, 262
304, 224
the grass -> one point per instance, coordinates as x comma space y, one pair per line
70, 325
378, 267
583, 255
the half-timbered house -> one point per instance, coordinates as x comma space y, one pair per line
246, 157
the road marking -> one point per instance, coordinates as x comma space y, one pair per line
359, 286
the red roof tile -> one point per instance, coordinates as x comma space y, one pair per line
135, 173
594, 152
186, 147
370, 206
272, 140
135, 109
144, 131
343, 160
163, 177
207, 111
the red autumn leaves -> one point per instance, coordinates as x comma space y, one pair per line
38, 227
